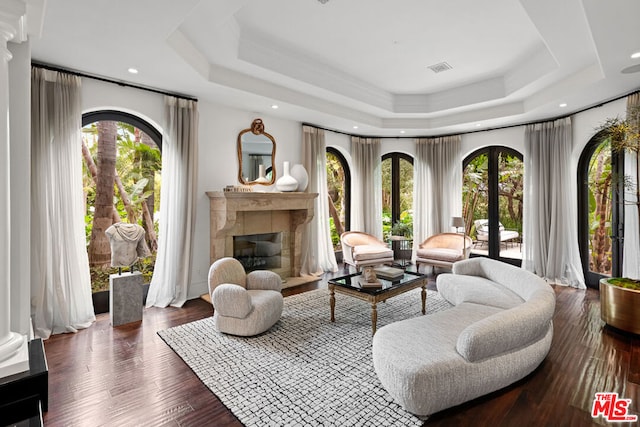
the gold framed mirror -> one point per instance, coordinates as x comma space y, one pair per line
256, 155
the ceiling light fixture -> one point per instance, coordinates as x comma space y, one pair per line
274, 106
631, 69
564, 104
355, 127
635, 55
401, 131
133, 70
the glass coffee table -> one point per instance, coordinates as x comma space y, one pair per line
350, 285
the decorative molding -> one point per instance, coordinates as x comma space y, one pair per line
13, 20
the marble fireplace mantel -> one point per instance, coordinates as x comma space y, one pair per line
242, 213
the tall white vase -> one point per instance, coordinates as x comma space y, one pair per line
300, 174
286, 182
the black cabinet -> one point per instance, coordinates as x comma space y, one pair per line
25, 395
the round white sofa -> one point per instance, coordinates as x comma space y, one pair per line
499, 331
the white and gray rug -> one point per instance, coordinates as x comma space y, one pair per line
305, 371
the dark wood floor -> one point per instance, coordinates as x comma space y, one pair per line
128, 376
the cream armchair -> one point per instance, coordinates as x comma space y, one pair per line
244, 304
442, 250
361, 249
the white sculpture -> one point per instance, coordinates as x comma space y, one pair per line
127, 244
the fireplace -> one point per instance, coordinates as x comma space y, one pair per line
235, 215
258, 251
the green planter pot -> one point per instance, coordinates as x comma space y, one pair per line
620, 307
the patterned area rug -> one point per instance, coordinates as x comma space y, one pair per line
305, 371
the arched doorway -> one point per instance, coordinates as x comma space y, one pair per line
121, 181
397, 193
339, 188
492, 202
601, 216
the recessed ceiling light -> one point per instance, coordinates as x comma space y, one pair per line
355, 127
635, 55
274, 106
631, 69
564, 104
478, 125
133, 70
401, 131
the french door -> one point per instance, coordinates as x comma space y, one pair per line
601, 215
492, 202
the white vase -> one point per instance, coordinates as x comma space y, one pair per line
300, 174
286, 182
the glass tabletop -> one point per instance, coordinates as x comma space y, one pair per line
353, 281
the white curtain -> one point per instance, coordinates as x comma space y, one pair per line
437, 185
317, 250
630, 264
366, 206
60, 281
172, 272
550, 238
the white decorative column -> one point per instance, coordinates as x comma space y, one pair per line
13, 346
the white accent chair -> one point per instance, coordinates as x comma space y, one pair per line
361, 249
244, 304
442, 250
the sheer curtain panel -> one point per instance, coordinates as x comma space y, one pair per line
61, 283
550, 236
367, 186
437, 187
317, 250
172, 272
630, 264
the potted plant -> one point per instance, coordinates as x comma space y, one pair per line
620, 297
402, 229
401, 237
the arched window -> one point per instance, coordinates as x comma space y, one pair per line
339, 187
397, 193
122, 162
492, 202
600, 220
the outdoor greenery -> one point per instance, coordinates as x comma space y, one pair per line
475, 191
336, 189
600, 209
406, 196
100, 275
617, 136
121, 183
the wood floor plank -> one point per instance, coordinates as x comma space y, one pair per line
129, 376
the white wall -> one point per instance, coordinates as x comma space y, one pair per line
98, 95
219, 127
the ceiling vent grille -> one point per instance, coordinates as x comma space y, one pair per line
440, 67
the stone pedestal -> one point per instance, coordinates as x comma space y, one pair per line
125, 298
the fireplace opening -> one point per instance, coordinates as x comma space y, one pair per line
258, 251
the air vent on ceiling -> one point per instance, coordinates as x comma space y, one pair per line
440, 67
